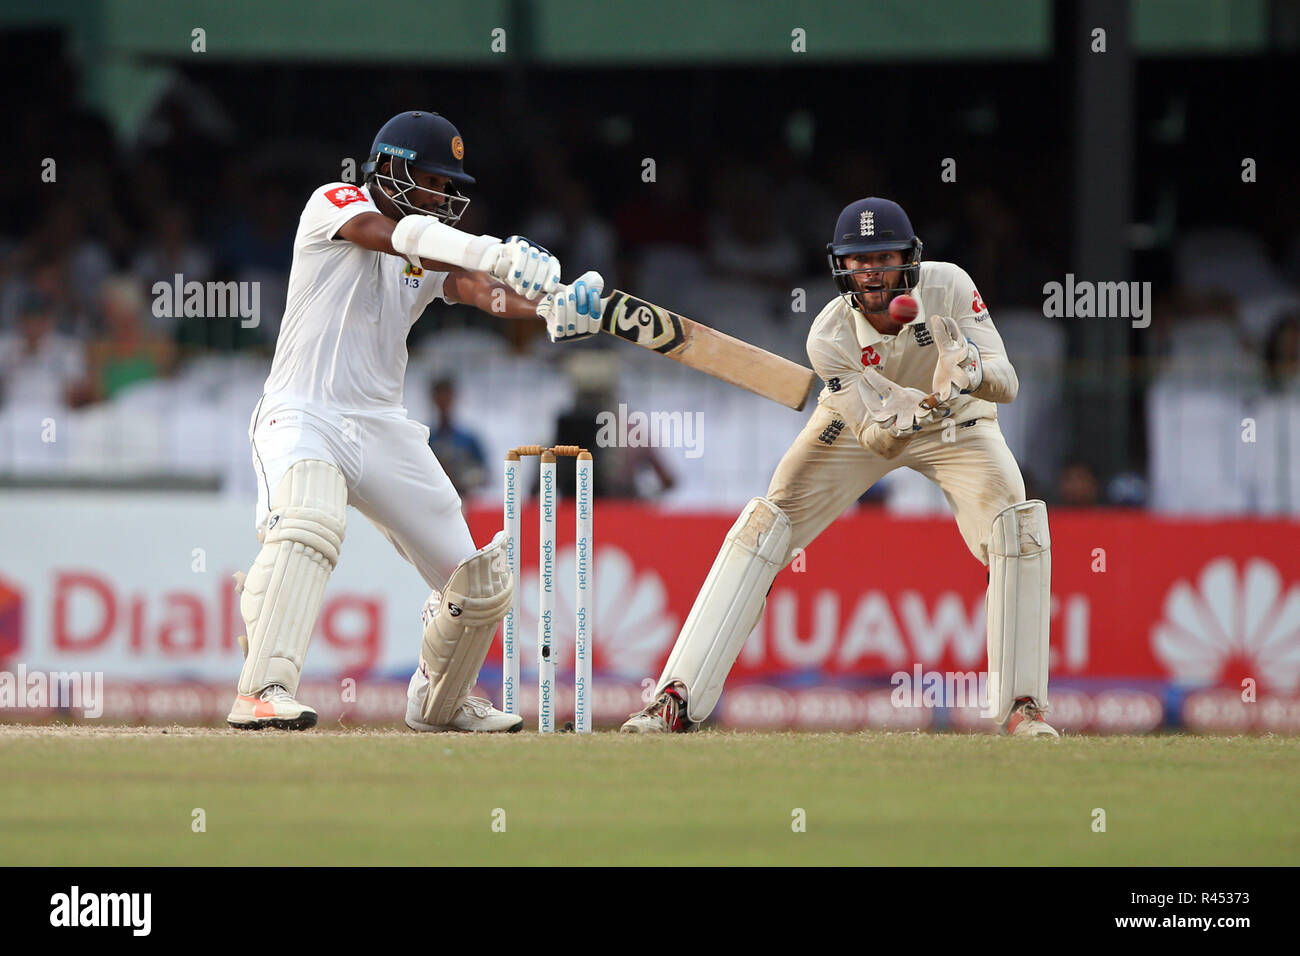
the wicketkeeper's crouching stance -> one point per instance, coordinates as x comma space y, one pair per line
916, 394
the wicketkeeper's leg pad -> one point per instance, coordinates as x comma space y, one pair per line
728, 606
1019, 607
282, 593
457, 638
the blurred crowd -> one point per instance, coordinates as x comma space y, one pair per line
737, 237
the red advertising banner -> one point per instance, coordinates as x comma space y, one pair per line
1154, 622
1157, 611
1132, 596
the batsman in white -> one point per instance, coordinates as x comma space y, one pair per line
876, 413
330, 429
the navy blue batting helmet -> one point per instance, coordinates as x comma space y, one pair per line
425, 141
874, 225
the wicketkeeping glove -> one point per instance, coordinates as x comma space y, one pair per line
898, 408
960, 370
573, 311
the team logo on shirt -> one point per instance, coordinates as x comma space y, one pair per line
411, 276
831, 432
922, 333
344, 195
869, 356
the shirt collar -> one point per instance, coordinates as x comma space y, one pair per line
867, 333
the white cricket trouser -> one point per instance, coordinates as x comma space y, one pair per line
393, 477
826, 470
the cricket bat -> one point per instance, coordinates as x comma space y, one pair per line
712, 352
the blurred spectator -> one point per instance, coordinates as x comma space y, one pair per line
1033, 487
185, 137
1225, 259
1291, 263
170, 251
1190, 324
256, 245
805, 210
459, 451
745, 242
63, 241
96, 197
854, 175
38, 366
620, 472
261, 219
46, 281
1282, 355
992, 248
568, 226
1128, 489
127, 351
662, 232
1235, 262
983, 234
194, 172
663, 212
1078, 486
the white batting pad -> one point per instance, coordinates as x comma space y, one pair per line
456, 640
1019, 607
728, 606
282, 593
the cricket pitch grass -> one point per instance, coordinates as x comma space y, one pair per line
136, 796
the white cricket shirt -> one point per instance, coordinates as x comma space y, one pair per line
342, 342
842, 344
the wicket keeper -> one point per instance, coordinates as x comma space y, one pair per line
900, 392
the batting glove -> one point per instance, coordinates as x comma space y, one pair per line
573, 311
524, 266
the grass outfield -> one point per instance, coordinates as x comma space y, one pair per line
73, 796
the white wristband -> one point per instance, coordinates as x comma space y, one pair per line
424, 237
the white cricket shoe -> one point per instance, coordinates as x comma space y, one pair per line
273, 707
475, 715
1026, 720
667, 715
644, 723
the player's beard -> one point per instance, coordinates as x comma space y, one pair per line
875, 303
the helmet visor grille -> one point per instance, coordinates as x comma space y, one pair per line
413, 199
